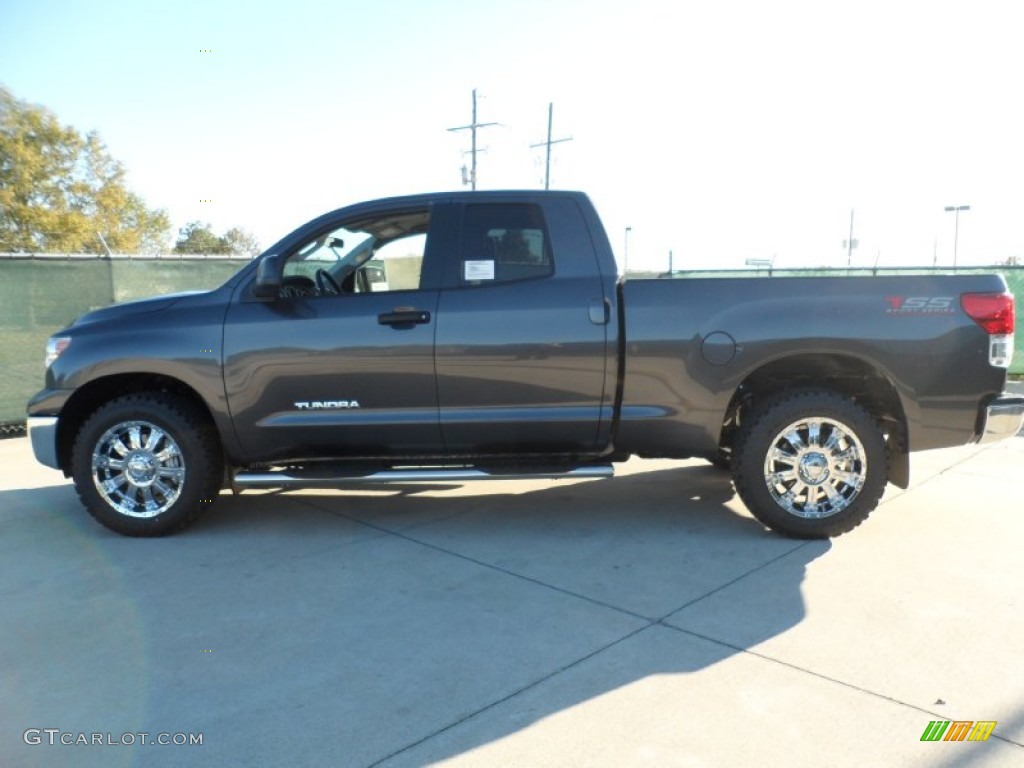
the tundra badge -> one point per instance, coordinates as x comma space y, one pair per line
314, 404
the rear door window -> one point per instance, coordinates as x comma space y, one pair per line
503, 243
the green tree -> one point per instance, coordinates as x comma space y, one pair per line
197, 237
60, 191
241, 242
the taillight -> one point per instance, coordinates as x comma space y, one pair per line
994, 313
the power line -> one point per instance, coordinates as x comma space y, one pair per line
548, 143
472, 127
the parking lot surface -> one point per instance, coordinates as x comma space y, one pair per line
644, 620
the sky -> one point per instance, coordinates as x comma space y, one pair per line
720, 131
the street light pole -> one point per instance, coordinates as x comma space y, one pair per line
955, 209
625, 252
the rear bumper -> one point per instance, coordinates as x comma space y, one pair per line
1003, 418
42, 431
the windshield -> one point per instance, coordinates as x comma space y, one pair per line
340, 250
380, 252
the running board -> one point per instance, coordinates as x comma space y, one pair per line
321, 479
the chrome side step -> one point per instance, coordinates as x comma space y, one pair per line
322, 479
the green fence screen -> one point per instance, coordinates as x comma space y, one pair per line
39, 296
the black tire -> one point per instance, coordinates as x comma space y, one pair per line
722, 460
824, 480
146, 464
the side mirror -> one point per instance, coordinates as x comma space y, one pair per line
268, 278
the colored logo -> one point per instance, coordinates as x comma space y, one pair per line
958, 730
920, 305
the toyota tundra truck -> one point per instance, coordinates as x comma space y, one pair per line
463, 336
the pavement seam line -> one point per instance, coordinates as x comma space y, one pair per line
508, 697
827, 678
661, 621
562, 590
937, 475
493, 567
728, 584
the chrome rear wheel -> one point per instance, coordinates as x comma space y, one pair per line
816, 467
810, 463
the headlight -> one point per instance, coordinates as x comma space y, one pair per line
54, 347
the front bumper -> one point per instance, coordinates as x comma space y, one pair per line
42, 431
1003, 418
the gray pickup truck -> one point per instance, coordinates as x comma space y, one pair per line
488, 335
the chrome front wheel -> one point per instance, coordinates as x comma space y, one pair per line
138, 469
145, 464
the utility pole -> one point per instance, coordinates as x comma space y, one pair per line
548, 143
850, 243
472, 128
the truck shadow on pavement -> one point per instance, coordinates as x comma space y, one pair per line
394, 625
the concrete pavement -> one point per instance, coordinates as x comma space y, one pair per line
645, 620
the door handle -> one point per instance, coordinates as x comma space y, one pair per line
600, 311
404, 316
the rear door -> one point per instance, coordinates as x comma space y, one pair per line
522, 333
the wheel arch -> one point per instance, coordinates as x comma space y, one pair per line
87, 398
847, 375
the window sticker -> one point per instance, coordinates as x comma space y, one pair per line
478, 270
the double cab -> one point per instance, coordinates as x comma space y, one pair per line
464, 336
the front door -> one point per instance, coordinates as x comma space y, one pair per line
341, 363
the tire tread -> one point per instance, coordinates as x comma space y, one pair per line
748, 463
190, 426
